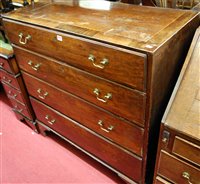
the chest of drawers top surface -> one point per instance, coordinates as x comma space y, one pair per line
134, 27
183, 112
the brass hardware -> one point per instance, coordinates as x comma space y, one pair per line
186, 175
165, 137
1, 65
34, 66
108, 129
42, 96
28, 37
17, 109
51, 122
5, 80
12, 96
102, 64
105, 98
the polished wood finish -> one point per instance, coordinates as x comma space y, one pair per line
12, 80
186, 119
186, 150
14, 94
83, 84
174, 174
144, 49
9, 65
14, 86
105, 25
88, 140
20, 108
125, 134
121, 61
178, 155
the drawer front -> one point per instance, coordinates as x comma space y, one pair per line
9, 65
9, 79
106, 151
120, 65
13, 93
123, 133
122, 101
176, 170
17, 107
186, 150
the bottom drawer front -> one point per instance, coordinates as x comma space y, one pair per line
125, 162
17, 107
176, 170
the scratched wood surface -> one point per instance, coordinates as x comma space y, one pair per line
143, 28
184, 106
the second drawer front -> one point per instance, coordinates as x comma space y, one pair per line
122, 101
121, 66
127, 135
124, 162
13, 93
176, 170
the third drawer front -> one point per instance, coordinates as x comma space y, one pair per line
124, 162
176, 170
121, 132
13, 93
120, 100
123, 66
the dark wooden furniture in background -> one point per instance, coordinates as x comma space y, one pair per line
13, 85
100, 76
178, 157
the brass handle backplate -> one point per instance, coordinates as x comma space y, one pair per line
51, 122
34, 66
42, 94
28, 37
186, 175
105, 98
108, 129
102, 63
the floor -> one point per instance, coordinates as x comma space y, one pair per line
28, 157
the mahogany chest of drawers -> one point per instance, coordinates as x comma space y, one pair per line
178, 157
13, 85
99, 74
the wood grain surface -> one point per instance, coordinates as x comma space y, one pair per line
116, 23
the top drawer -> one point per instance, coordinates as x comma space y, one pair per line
186, 150
117, 64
